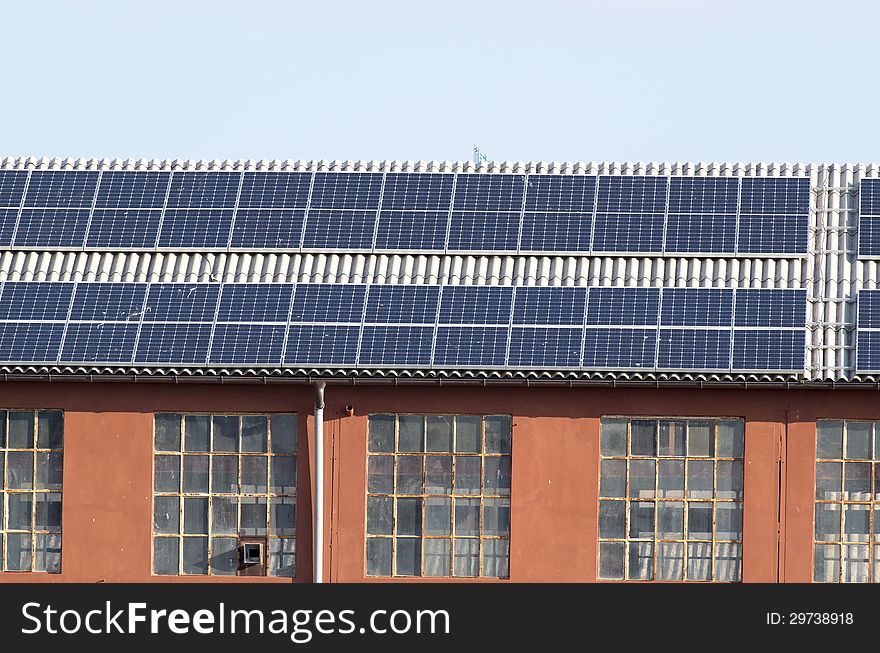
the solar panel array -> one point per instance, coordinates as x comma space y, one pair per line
869, 218
402, 326
868, 332
417, 212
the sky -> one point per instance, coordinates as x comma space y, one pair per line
525, 80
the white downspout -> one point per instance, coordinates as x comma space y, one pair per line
318, 494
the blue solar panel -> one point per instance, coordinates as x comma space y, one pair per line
346, 190
482, 192
30, 342
61, 188
255, 302
781, 350
8, 218
775, 196
182, 302
12, 183
417, 230
628, 232
321, 344
34, 300
703, 194
481, 230
123, 228
773, 234
869, 309
759, 307
632, 194
697, 307
563, 193
550, 306
417, 192
869, 196
694, 348
408, 346
543, 347
337, 229
275, 190
328, 302
700, 233
470, 347
108, 302
247, 344
867, 350
412, 304
476, 305
623, 306
620, 348
102, 342
869, 235
263, 229
52, 228
185, 228
132, 189
167, 343
204, 189
556, 232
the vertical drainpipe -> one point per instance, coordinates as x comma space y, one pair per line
318, 503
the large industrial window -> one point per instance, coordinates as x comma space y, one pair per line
847, 527
224, 498
438, 499
671, 492
31, 453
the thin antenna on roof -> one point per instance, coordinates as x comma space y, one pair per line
479, 155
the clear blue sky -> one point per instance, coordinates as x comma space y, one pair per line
662, 80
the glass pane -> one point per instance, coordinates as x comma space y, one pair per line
2, 476
379, 515
254, 473
380, 474
612, 478
829, 439
877, 524
224, 556
670, 561
409, 474
856, 523
195, 473
20, 472
728, 562
195, 515
438, 477
438, 557
858, 441
255, 433
729, 478
50, 429
641, 479
497, 475
496, 517
283, 516
670, 520
195, 555
225, 474
672, 437
224, 515
857, 481
47, 549
829, 481
728, 521
378, 556
284, 433
20, 430
166, 556
826, 563
700, 438
439, 432
381, 435
225, 433
409, 556
197, 429
701, 479
467, 558
48, 511
18, 551
19, 512
496, 558
167, 474
498, 433
700, 521
641, 519
167, 427
671, 478
612, 519
2, 432
640, 563
643, 437
410, 433
284, 475
166, 515
855, 563
467, 476
438, 516
467, 517
699, 563
253, 516
827, 522
282, 557
612, 439
730, 438
611, 556
468, 433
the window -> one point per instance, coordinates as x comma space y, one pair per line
438, 495
847, 517
670, 499
31, 457
224, 495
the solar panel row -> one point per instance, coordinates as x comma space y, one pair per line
869, 218
402, 325
868, 331
403, 211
